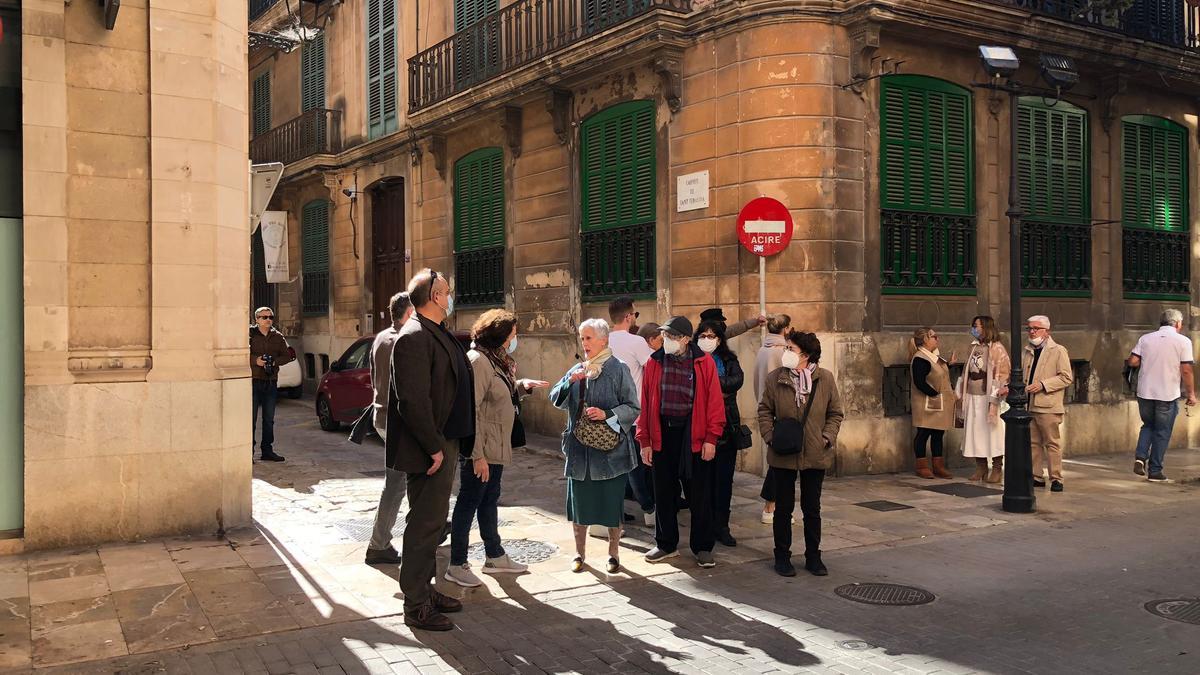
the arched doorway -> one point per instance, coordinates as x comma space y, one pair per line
387, 247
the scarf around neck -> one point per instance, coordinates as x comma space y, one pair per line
596, 363
504, 364
802, 382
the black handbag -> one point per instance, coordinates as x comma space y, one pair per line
742, 438
518, 430
787, 436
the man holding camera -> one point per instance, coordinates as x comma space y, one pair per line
268, 352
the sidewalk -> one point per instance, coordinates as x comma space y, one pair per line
301, 565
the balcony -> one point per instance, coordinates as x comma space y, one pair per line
1170, 22
517, 35
316, 132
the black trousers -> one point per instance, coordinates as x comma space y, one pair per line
934, 436
428, 504
726, 464
810, 506
671, 464
768, 489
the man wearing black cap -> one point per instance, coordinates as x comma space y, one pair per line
683, 415
731, 330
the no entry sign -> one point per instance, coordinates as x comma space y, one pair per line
764, 226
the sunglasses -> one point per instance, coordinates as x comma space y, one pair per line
268, 317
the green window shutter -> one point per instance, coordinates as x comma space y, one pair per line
381, 67
618, 166
467, 12
479, 200
926, 146
314, 244
261, 104
1154, 174
312, 74
1053, 162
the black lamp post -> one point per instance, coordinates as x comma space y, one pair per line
1001, 64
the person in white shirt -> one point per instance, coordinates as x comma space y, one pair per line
633, 351
1164, 359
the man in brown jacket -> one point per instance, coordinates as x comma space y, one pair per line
430, 422
1047, 370
268, 352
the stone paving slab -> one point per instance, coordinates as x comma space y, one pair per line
300, 567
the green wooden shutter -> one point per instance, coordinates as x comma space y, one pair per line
381, 67
926, 148
1154, 173
467, 12
479, 200
1052, 161
262, 103
315, 256
618, 166
312, 74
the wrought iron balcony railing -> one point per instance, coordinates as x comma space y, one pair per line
259, 7
479, 276
1056, 258
927, 253
617, 261
1156, 263
316, 132
515, 35
1169, 22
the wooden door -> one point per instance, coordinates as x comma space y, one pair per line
387, 245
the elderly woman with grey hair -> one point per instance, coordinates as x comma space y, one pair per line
602, 405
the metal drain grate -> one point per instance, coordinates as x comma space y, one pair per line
855, 645
883, 505
1185, 610
966, 490
526, 551
885, 594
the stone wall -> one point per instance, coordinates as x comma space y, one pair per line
137, 396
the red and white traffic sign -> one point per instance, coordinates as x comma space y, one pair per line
764, 226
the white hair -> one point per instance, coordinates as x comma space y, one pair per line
1170, 317
1039, 320
598, 326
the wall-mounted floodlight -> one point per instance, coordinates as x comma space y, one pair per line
999, 61
1059, 71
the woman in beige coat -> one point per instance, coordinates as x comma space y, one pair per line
497, 393
933, 400
982, 388
799, 417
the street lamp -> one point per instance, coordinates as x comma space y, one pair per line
1001, 63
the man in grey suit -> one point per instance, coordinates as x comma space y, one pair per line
430, 422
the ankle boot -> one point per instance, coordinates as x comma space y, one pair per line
812, 563
922, 468
997, 474
783, 564
980, 469
939, 468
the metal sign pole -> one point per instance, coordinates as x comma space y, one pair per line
762, 291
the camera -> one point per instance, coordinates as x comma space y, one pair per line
268, 364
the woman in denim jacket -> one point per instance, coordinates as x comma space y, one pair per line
595, 478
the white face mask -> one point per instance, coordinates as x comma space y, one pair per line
671, 346
512, 345
707, 345
1037, 341
791, 360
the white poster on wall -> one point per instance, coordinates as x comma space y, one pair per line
275, 246
691, 191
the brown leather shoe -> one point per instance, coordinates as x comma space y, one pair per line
939, 468
428, 618
922, 468
981, 469
997, 474
444, 603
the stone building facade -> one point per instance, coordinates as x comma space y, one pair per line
124, 186
532, 150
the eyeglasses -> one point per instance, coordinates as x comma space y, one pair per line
1034, 329
268, 317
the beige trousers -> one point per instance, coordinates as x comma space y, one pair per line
1046, 443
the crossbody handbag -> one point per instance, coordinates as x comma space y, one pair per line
591, 433
787, 437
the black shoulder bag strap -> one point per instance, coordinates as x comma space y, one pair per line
807, 409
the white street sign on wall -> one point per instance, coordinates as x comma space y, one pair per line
691, 191
275, 253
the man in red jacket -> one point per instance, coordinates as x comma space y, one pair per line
683, 415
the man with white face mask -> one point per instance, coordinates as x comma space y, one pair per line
682, 418
1047, 370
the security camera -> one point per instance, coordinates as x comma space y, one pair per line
348, 192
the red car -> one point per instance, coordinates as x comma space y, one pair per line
345, 391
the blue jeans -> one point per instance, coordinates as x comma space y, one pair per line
1158, 419
264, 393
476, 498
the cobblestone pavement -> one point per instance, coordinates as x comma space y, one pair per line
1062, 590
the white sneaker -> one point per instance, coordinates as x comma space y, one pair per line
768, 517
504, 565
648, 518
463, 576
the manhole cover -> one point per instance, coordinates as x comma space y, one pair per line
883, 505
527, 551
885, 594
854, 645
962, 490
1187, 611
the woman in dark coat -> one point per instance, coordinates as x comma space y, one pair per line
710, 337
